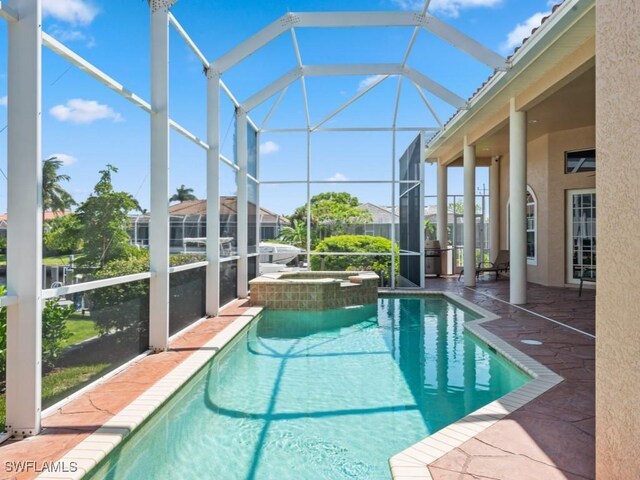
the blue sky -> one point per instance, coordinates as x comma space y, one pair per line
88, 126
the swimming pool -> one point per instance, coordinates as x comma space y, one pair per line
320, 395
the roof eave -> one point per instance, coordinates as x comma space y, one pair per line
541, 39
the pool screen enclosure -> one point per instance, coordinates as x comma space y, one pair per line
226, 271
412, 216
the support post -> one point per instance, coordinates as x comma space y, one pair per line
159, 221
443, 217
518, 205
213, 194
242, 210
494, 208
308, 199
24, 236
469, 214
423, 144
393, 209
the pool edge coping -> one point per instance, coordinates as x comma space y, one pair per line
87, 454
413, 462
409, 464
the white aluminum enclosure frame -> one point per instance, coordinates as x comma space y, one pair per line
401, 70
26, 39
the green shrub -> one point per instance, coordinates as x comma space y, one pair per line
125, 306
380, 264
185, 258
3, 244
54, 332
62, 235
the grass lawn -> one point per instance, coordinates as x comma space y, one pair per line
51, 261
60, 383
80, 327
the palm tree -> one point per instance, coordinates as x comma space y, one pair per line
54, 197
295, 235
183, 194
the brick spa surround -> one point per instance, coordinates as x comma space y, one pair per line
314, 290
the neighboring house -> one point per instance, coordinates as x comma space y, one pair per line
188, 220
382, 217
48, 215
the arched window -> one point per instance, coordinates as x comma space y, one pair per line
532, 226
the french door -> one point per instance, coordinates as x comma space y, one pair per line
581, 233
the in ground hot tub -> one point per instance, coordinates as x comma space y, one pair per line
314, 290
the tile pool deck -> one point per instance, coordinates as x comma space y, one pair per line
551, 437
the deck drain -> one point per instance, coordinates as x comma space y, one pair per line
531, 342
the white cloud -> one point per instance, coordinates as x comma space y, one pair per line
451, 8
64, 158
72, 11
269, 147
522, 31
367, 82
338, 177
82, 111
65, 35
3, 101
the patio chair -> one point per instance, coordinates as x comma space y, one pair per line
588, 275
500, 264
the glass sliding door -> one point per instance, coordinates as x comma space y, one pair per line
581, 233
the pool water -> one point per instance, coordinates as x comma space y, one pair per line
320, 395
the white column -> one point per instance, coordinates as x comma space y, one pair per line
243, 212
518, 205
213, 193
159, 221
423, 144
494, 208
469, 160
308, 199
442, 215
24, 235
258, 210
393, 209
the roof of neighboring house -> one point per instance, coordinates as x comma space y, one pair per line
378, 214
189, 207
228, 206
382, 214
48, 215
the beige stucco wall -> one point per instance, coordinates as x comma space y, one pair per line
537, 180
546, 177
559, 184
618, 230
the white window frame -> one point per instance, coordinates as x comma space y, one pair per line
530, 260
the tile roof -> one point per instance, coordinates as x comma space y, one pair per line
48, 215
495, 72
